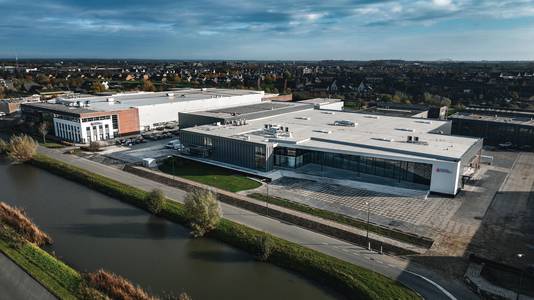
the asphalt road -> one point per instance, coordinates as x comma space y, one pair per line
431, 286
16, 284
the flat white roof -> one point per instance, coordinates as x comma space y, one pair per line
127, 100
381, 135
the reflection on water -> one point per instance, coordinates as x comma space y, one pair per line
93, 231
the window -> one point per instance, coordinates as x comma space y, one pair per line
259, 157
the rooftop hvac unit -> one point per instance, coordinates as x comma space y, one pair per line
346, 123
410, 139
287, 129
110, 99
266, 126
87, 103
170, 94
416, 139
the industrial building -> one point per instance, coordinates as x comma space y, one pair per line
325, 103
393, 109
408, 152
105, 117
511, 128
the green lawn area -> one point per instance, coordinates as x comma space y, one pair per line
210, 175
52, 145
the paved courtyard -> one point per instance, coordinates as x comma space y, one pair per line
436, 217
405, 213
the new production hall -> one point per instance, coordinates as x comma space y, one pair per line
263, 138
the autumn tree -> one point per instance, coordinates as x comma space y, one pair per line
148, 86
21, 148
203, 211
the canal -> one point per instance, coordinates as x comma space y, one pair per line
92, 231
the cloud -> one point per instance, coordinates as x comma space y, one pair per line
194, 25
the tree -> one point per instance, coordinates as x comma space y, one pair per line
203, 211
98, 87
21, 148
155, 200
94, 146
265, 247
184, 296
43, 129
148, 86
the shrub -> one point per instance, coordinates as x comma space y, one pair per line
155, 200
21, 148
265, 247
115, 286
17, 219
184, 296
88, 293
202, 210
94, 146
3, 146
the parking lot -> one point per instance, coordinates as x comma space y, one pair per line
136, 152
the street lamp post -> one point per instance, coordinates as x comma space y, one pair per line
266, 182
367, 227
172, 164
519, 256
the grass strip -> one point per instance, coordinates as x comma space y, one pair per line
347, 279
60, 279
346, 220
209, 175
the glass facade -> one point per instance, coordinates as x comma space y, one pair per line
419, 173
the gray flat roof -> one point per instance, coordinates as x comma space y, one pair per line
127, 100
370, 134
250, 109
319, 101
525, 119
393, 112
59, 108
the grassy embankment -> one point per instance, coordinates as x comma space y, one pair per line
347, 279
342, 219
20, 240
210, 175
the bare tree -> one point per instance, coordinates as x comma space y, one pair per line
43, 129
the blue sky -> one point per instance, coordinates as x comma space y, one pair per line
269, 29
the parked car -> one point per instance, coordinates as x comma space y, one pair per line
174, 144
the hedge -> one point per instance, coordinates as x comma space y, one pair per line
352, 281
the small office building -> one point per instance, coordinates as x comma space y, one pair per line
382, 149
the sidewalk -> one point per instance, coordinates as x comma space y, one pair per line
16, 284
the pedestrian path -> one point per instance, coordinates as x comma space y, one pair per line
16, 284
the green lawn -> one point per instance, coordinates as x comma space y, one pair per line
52, 145
210, 175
